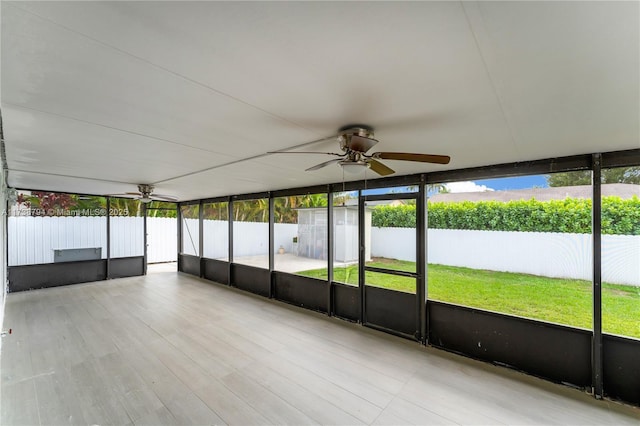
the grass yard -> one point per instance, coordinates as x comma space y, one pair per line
562, 301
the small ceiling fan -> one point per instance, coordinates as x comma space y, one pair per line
146, 195
355, 142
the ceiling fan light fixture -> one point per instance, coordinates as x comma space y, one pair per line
145, 199
354, 167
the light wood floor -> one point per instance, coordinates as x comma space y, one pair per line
172, 349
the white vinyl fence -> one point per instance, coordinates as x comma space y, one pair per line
31, 240
162, 239
558, 255
127, 236
250, 238
190, 236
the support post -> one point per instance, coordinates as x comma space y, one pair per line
230, 232
421, 266
361, 255
272, 260
330, 251
108, 238
596, 228
201, 237
179, 219
144, 230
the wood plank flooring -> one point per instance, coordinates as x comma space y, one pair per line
172, 349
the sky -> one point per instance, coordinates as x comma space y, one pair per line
501, 184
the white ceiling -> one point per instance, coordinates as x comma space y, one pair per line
100, 96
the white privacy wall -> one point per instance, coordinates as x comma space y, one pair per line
127, 236
252, 238
559, 255
394, 243
162, 239
31, 240
216, 246
621, 259
249, 238
283, 234
190, 236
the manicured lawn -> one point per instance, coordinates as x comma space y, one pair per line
556, 300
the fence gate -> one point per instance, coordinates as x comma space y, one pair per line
161, 232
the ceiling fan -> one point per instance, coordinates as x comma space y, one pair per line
355, 142
146, 195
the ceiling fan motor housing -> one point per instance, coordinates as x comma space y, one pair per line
145, 189
358, 139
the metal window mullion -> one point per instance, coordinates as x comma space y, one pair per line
179, 218
108, 275
391, 197
272, 260
596, 228
361, 255
391, 272
230, 240
330, 237
201, 237
144, 238
421, 255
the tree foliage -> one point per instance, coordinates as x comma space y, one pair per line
158, 208
583, 177
41, 203
257, 210
572, 215
285, 208
216, 211
251, 210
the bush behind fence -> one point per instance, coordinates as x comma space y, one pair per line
571, 215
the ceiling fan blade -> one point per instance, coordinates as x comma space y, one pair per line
407, 156
325, 164
304, 152
164, 197
124, 194
380, 168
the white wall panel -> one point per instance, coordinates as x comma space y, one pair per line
32, 240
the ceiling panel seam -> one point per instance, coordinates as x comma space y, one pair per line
480, 27
241, 160
131, 132
71, 176
162, 68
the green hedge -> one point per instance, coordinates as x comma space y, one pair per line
571, 215
394, 216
